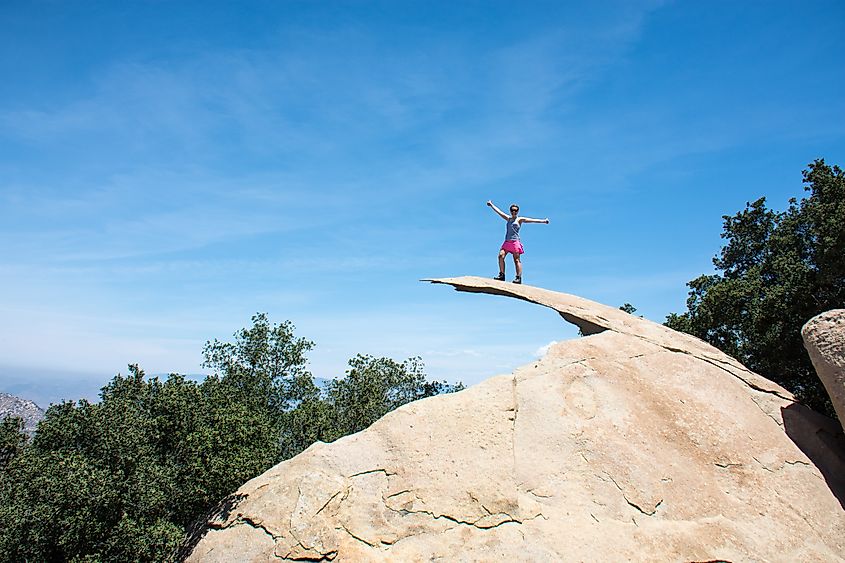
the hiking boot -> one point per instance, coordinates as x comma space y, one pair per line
500, 277
517, 279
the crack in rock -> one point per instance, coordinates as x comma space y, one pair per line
329, 556
508, 519
314, 555
763, 465
399, 493
717, 364
727, 465
778, 422
513, 426
334, 496
241, 519
786, 462
362, 540
290, 518
367, 472
797, 462
647, 513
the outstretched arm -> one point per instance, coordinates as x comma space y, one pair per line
498, 211
530, 220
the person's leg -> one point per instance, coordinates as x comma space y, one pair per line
517, 262
502, 254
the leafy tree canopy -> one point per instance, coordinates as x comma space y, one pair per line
375, 386
125, 478
12, 439
776, 271
628, 308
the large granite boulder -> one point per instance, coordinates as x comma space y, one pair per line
636, 443
824, 339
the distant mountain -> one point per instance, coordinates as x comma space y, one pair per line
21, 408
46, 386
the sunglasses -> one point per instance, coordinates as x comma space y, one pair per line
514, 210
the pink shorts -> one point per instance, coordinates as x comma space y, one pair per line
513, 246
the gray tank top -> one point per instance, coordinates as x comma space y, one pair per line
512, 232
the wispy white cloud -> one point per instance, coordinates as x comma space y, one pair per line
306, 98
543, 350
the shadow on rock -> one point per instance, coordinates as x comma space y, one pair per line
219, 513
821, 439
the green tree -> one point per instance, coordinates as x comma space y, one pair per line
372, 388
124, 479
95, 484
12, 439
628, 308
775, 272
264, 370
265, 364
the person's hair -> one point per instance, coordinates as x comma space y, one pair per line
512, 206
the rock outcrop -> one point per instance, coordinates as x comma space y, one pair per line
29, 412
824, 339
636, 443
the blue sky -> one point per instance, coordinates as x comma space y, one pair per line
167, 169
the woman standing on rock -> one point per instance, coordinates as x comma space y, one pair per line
512, 243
